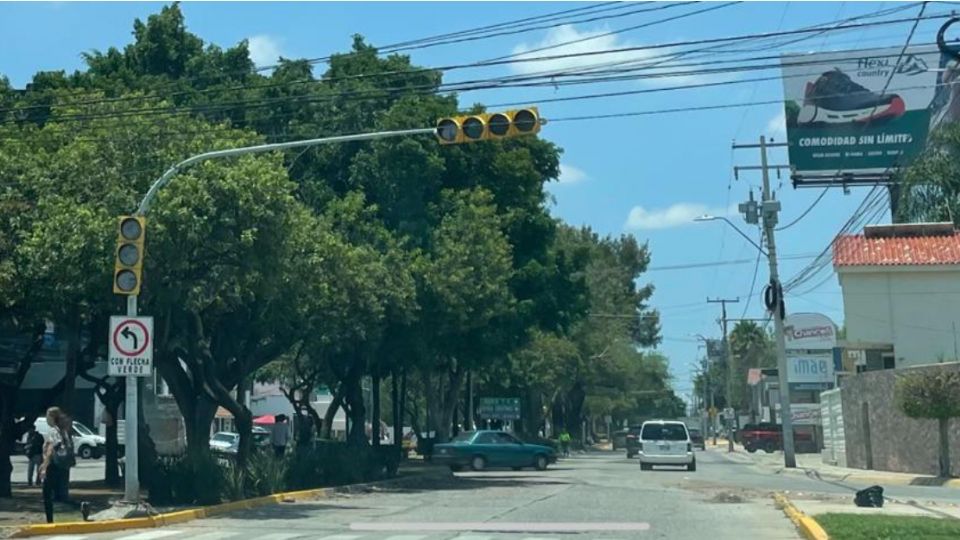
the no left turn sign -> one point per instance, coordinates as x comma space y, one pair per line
131, 347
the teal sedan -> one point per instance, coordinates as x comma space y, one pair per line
482, 449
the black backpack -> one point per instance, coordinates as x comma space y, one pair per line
63, 456
871, 497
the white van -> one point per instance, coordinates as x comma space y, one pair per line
87, 444
665, 442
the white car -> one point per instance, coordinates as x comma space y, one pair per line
225, 441
665, 442
86, 443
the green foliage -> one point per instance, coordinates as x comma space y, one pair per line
750, 347
930, 186
195, 478
860, 526
267, 474
929, 395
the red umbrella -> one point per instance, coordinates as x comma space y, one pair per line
267, 419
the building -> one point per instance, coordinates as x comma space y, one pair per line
901, 286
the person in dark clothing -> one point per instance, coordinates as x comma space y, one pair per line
34, 452
58, 458
280, 435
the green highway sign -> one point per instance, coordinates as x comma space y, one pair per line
499, 408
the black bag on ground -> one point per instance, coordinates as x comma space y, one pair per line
870, 497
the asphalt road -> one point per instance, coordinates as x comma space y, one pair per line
85, 471
598, 495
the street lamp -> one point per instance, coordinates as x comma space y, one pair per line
707, 217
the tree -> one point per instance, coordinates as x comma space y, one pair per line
930, 186
933, 395
750, 347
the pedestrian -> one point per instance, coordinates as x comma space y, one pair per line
58, 458
34, 452
280, 435
565, 442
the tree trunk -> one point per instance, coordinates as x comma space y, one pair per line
397, 410
944, 423
449, 406
331, 413
353, 397
375, 413
8, 434
112, 456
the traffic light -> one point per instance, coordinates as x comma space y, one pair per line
128, 267
488, 126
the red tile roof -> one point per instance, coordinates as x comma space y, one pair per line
859, 250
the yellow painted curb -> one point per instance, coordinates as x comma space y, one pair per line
180, 516
808, 527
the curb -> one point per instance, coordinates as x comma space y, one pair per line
808, 527
183, 516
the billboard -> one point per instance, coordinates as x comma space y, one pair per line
840, 121
499, 408
810, 368
805, 331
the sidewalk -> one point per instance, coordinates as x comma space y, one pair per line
812, 465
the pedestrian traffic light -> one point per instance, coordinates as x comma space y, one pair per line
128, 267
488, 126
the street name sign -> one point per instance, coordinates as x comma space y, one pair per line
131, 347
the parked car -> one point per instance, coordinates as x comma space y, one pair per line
768, 437
482, 449
666, 442
88, 444
228, 442
633, 441
225, 442
619, 439
696, 438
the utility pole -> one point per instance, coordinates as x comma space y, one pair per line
729, 359
767, 211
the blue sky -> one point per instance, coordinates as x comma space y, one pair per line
647, 175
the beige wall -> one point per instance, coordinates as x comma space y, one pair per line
896, 442
913, 308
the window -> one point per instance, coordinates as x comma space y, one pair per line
664, 432
486, 438
464, 437
506, 438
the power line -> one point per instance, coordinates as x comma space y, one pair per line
729, 39
805, 212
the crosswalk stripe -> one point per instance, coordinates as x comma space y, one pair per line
216, 535
150, 535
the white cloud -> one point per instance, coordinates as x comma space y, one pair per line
565, 34
777, 125
570, 174
675, 215
264, 50
579, 61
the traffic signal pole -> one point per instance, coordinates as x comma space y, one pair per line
453, 130
131, 475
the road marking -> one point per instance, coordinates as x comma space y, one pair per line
216, 535
150, 535
280, 536
472, 537
406, 537
341, 537
496, 526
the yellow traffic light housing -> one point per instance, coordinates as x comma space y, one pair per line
488, 126
128, 266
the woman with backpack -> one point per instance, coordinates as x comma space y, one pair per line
58, 457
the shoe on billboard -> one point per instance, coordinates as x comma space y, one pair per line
835, 99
